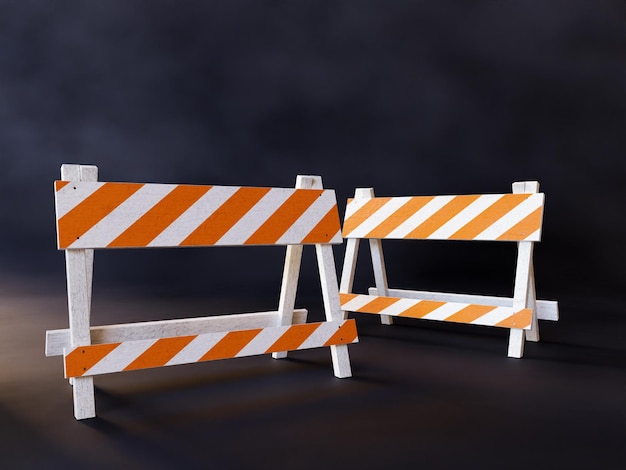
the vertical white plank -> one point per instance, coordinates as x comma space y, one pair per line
349, 267
291, 269
79, 271
378, 260
533, 333
523, 285
332, 307
380, 275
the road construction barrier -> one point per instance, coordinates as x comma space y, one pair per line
96, 215
496, 217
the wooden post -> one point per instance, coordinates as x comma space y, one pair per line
79, 271
291, 270
524, 292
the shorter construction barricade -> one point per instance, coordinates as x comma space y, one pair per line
101, 215
515, 217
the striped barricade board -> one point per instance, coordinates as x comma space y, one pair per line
94, 215
515, 217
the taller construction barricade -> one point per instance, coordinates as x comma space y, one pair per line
102, 215
515, 217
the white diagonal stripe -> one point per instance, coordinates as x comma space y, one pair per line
321, 334
261, 342
377, 217
445, 311
123, 216
355, 304
72, 194
193, 217
423, 214
309, 219
255, 217
399, 307
511, 218
468, 214
118, 359
495, 316
197, 348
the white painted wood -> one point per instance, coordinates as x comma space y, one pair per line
57, 340
79, 271
332, 307
291, 269
533, 333
524, 284
546, 309
349, 265
380, 275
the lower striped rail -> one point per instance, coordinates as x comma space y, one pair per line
474, 314
144, 354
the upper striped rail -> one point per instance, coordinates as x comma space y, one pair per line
133, 215
506, 217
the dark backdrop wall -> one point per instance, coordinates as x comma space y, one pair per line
406, 96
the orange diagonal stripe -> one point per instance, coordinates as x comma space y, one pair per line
160, 352
92, 210
157, 219
293, 337
362, 213
489, 216
227, 215
527, 226
284, 217
346, 334
378, 304
344, 298
326, 228
58, 185
519, 320
421, 308
400, 216
470, 313
230, 344
443, 215
81, 359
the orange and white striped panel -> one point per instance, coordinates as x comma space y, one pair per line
510, 217
473, 314
125, 215
143, 354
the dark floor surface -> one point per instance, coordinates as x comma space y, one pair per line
422, 396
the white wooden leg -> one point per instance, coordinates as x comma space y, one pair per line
533, 333
516, 343
84, 402
380, 275
286, 304
349, 267
79, 271
332, 307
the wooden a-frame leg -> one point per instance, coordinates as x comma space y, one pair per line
380, 274
332, 306
349, 267
524, 290
286, 304
79, 272
291, 270
533, 333
521, 295
79, 310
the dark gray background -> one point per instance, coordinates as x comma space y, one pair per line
406, 96
409, 97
